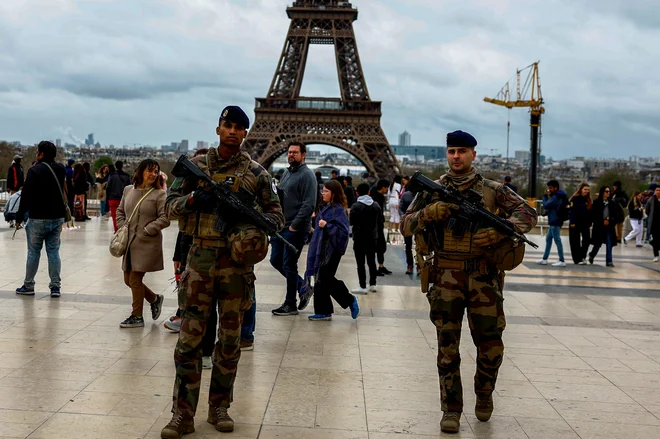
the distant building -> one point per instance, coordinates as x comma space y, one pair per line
58, 143
90, 139
202, 145
404, 139
183, 146
418, 153
522, 156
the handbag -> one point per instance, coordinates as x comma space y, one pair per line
67, 211
119, 241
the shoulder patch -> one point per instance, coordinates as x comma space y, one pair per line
274, 186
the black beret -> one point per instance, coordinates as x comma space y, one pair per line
235, 114
461, 138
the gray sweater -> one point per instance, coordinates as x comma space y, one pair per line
300, 190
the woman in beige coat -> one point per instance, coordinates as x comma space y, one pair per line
144, 253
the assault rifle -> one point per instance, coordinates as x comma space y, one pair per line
471, 213
229, 205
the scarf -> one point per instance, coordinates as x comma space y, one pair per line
462, 182
327, 241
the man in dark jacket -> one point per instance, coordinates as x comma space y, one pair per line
407, 198
42, 198
377, 193
114, 190
15, 177
365, 219
349, 191
620, 197
554, 200
653, 211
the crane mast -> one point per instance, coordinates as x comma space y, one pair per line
528, 95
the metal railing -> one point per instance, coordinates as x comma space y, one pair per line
319, 104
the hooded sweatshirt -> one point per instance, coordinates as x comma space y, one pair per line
364, 217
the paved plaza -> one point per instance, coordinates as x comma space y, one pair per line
582, 360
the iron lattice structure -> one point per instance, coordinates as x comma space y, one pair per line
351, 122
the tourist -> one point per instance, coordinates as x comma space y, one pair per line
555, 203
298, 187
43, 201
579, 220
328, 245
653, 211
365, 219
144, 253
636, 215
117, 181
605, 215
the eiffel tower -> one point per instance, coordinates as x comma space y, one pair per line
351, 123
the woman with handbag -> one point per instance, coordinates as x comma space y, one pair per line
144, 202
328, 245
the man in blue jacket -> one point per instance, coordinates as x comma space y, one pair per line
554, 200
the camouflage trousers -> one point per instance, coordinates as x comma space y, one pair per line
481, 294
210, 273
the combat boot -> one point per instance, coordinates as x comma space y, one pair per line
178, 426
219, 417
483, 409
451, 422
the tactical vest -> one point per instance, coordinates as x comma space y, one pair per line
461, 248
505, 255
205, 225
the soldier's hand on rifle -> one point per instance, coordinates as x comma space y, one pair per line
438, 211
486, 237
203, 200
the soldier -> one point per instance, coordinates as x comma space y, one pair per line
465, 276
220, 265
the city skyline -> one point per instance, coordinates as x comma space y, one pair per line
150, 81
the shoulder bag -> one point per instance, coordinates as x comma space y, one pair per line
67, 211
119, 241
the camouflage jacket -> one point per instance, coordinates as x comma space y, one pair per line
495, 196
251, 176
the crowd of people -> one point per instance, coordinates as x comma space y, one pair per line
600, 221
215, 254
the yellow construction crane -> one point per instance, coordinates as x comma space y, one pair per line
528, 95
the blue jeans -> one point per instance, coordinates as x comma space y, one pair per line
249, 323
102, 204
286, 262
38, 231
554, 233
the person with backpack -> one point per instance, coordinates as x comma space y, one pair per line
114, 190
555, 203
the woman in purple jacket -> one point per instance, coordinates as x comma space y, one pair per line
328, 245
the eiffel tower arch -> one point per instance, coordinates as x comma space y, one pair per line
351, 123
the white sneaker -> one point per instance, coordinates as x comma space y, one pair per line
372, 288
207, 363
360, 291
582, 262
656, 259
542, 262
559, 264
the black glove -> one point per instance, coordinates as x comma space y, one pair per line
203, 200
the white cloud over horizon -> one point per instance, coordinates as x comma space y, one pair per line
158, 71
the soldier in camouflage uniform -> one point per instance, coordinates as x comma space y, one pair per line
220, 265
462, 276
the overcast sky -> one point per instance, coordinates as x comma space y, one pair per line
157, 71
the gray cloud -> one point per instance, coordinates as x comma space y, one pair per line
153, 78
